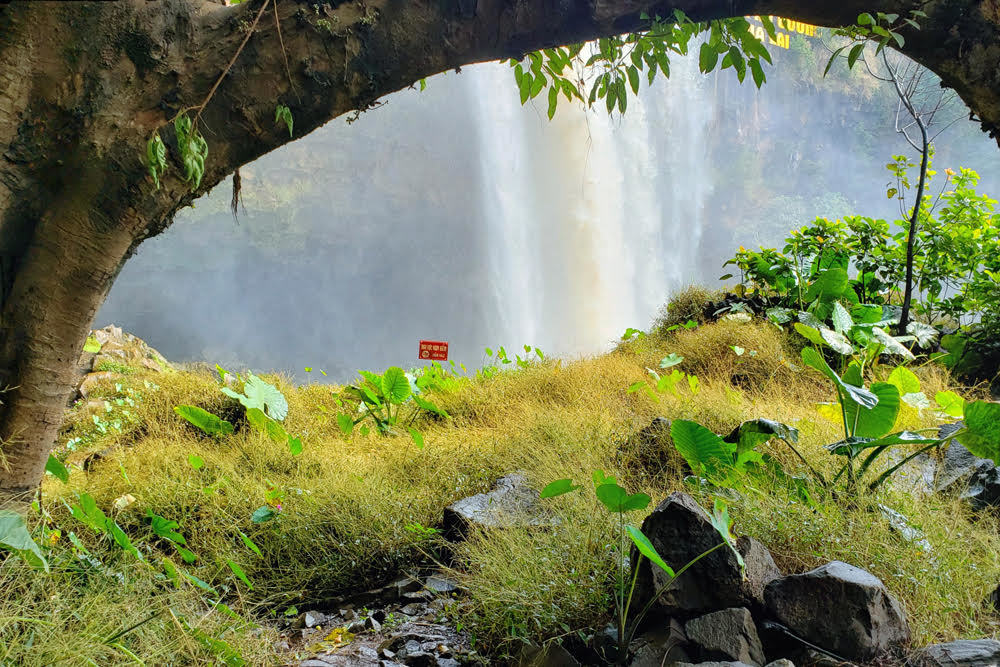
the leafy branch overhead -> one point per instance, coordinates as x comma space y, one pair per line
614, 65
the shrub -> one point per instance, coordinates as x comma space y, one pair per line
688, 304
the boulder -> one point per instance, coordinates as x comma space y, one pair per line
512, 502
962, 472
840, 608
962, 653
663, 646
729, 634
681, 530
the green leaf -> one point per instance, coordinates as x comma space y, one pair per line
751, 434
617, 499
875, 422
424, 404
707, 58
904, 380
723, 525
837, 341
855, 53
671, 359
925, 334
830, 285
981, 435
418, 438
854, 446
257, 419
249, 543
647, 549
92, 346
15, 537
345, 423
703, 450
295, 445
165, 528
261, 395
842, 321
263, 514
859, 395
240, 574
558, 488
56, 468
553, 101
395, 386
892, 345
204, 420
284, 114
196, 461
951, 403
600, 478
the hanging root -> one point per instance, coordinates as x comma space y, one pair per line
234, 204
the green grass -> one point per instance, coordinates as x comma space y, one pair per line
346, 502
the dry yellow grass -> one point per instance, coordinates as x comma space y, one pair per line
346, 503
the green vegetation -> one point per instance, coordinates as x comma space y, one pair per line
196, 540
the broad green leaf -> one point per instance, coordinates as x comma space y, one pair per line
842, 321
266, 425
15, 537
925, 334
395, 386
617, 499
703, 450
263, 514
811, 334
240, 574
859, 395
780, 315
917, 400
876, 421
171, 571
854, 446
204, 420
892, 345
418, 437
249, 543
119, 536
345, 423
186, 554
837, 341
981, 435
830, 285
600, 478
92, 346
951, 403
294, 445
56, 468
904, 380
196, 461
260, 395
751, 434
671, 359
424, 404
558, 488
165, 528
647, 549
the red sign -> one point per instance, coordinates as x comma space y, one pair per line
433, 350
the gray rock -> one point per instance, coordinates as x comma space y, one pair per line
711, 664
781, 662
729, 634
512, 502
962, 653
840, 608
440, 584
371, 623
656, 648
972, 478
681, 530
550, 655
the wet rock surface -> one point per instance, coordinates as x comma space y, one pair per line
728, 634
961, 653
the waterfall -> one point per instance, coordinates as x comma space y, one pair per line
589, 220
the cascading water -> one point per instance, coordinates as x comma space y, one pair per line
590, 220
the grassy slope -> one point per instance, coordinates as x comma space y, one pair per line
346, 503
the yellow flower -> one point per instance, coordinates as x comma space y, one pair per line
54, 537
950, 172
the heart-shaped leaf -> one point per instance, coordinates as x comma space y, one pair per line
617, 499
395, 386
703, 450
558, 488
981, 435
876, 421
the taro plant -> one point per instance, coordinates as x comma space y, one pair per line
388, 401
620, 502
668, 382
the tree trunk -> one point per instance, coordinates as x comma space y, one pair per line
83, 86
911, 235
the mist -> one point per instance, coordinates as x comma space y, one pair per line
456, 214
